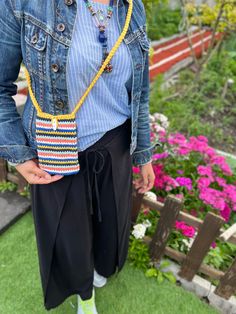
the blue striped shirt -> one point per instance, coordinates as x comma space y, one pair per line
108, 103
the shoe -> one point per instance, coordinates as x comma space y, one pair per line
87, 306
98, 280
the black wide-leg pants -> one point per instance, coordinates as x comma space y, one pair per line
83, 221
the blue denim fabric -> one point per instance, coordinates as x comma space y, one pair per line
38, 33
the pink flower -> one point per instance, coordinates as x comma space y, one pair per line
160, 156
197, 145
160, 199
230, 192
180, 196
183, 151
187, 182
180, 171
221, 181
162, 180
225, 213
179, 224
210, 152
202, 138
213, 197
136, 170
220, 161
186, 230
152, 136
203, 182
176, 138
205, 171
193, 212
146, 211
162, 136
213, 245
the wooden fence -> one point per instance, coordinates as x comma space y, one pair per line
6, 175
192, 262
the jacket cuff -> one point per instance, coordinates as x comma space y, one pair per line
17, 153
13, 164
144, 156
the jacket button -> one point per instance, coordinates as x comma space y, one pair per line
61, 27
55, 67
69, 2
34, 39
60, 104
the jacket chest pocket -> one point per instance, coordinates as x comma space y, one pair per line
144, 42
36, 46
139, 44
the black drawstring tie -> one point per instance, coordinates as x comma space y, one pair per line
96, 154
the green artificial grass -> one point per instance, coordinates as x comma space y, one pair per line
129, 292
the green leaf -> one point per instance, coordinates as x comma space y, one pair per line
151, 272
170, 277
164, 264
160, 277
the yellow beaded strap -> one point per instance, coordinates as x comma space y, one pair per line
71, 115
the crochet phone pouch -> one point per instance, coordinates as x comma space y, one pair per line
56, 136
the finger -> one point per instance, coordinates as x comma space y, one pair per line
138, 182
150, 183
138, 185
146, 186
145, 181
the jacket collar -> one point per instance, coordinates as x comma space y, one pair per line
120, 1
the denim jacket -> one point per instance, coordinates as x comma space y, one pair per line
38, 33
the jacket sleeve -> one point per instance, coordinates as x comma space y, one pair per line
13, 144
144, 150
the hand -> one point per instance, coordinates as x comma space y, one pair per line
34, 175
146, 181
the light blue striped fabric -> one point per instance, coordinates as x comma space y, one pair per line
108, 103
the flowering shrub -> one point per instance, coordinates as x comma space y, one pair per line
193, 171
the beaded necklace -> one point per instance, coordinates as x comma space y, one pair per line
101, 22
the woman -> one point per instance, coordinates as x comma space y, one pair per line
82, 221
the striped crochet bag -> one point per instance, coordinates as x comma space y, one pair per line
56, 136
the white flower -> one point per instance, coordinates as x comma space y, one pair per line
160, 116
230, 81
165, 124
151, 195
163, 118
139, 231
147, 223
151, 118
186, 242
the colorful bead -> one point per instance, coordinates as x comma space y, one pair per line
102, 37
102, 23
